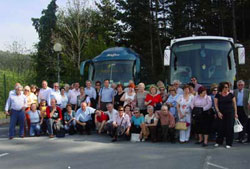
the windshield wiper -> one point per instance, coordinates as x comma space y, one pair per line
175, 61
229, 59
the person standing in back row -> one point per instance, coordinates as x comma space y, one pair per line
225, 105
106, 96
242, 96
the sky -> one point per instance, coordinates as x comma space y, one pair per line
16, 24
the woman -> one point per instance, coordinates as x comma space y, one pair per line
128, 110
34, 116
118, 96
163, 93
101, 119
29, 98
184, 112
225, 105
69, 120
64, 101
153, 98
33, 94
151, 123
201, 106
138, 124
129, 96
82, 98
172, 101
140, 98
214, 91
191, 88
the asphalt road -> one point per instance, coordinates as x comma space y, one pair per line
97, 152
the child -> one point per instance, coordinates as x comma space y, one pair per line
34, 116
42, 108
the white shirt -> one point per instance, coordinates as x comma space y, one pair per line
64, 101
72, 96
56, 94
90, 92
84, 116
44, 94
112, 115
16, 102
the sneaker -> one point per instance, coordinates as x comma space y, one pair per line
204, 145
227, 146
216, 145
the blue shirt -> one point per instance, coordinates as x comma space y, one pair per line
173, 101
240, 98
107, 94
137, 121
84, 116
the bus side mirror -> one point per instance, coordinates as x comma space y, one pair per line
167, 56
241, 55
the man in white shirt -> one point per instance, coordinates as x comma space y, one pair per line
56, 94
90, 91
44, 92
112, 113
84, 119
72, 96
15, 107
14, 90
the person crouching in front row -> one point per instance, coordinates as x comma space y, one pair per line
69, 120
121, 125
54, 114
84, 119
138, 124
35, 122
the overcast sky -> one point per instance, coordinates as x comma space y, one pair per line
15, 21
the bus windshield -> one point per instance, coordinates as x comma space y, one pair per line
210, 61
116, 71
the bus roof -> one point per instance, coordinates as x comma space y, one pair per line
116, 53
201, 38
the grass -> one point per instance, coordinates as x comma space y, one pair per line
2, 115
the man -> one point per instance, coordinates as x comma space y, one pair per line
16, 104
112, 113
66, 87
44, 92
14, 90
83, 118
54, 114
106, 96
98, 85
242, 97
196, 84
56, 94
121, 125
90, 91
176, 84
72, 96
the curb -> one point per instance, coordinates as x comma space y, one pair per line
4, 121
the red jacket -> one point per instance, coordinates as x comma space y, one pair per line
49, 109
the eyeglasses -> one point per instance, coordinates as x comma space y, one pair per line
226, 87
215, 90
136, 112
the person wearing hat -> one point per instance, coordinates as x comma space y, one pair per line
153, 98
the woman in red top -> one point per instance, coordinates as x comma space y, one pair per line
153, 98
100, 120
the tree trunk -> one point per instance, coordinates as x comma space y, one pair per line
234, 21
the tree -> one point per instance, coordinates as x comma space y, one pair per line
46, 57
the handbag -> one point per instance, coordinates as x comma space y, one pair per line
121, 129
135, 137
237, 126
181, 125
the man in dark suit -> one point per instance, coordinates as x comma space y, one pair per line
242, 97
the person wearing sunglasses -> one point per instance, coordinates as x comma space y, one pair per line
121, 125
138, 123
226, 108
242, 96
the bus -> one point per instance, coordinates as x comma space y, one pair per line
211, 59
117, 64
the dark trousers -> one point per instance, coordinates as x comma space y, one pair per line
16, 116
225, 128
153, 133
115, 133
86, 128
135, 129
103, 106
243, 120
248, 129
168, 133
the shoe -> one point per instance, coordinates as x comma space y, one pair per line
21, 136
198, 142
51, 136
204, 145
246, 142
240, 141
216, 145
227, 146
182, 142
114, 139
10, 138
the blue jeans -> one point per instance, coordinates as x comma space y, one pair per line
35, 129
16, 116
52, 125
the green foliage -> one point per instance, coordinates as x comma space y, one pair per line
46, 57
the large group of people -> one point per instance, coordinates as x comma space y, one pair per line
160, 114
